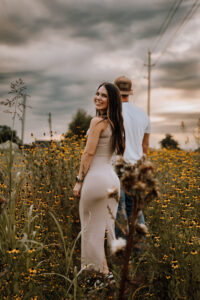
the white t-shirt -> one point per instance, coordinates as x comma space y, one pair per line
136, 124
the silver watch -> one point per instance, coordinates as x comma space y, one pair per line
78, 179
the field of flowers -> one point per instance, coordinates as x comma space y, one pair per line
40, 229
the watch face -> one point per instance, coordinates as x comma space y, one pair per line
78, 179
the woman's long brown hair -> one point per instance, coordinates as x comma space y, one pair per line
115, 118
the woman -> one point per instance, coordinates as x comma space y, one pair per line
96, 176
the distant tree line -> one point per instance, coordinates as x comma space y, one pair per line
79, 124
169, 143
7, 134
78, 127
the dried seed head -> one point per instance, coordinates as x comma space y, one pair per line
128, 182
119, 166
141, 229
153, 194
141, 161
113, 193
117, 246
129, 168
140, 186
145, 167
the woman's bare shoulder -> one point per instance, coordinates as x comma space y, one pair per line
98, 124
98, 121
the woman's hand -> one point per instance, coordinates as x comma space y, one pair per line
77, 189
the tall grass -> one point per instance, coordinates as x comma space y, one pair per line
39, 244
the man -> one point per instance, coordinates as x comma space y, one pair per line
137, 131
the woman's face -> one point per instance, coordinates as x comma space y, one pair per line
101, 99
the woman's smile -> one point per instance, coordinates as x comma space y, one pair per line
101, 98
98, 103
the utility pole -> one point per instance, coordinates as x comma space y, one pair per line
149, 83
23, 117
149, 65
50, 126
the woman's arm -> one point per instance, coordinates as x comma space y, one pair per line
96, 127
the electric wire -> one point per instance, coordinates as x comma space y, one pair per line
172, 11
185, 20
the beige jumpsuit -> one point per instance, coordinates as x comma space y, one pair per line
94, 215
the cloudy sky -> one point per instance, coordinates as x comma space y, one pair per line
63, 49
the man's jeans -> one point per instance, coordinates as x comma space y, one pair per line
126, 201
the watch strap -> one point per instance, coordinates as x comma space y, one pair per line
78, 179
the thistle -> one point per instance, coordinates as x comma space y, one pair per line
113, 193
139, 182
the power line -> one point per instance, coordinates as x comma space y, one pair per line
163, 29
172, 11
185, 20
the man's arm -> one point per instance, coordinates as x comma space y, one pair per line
145, 143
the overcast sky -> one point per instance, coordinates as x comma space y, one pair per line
63, 49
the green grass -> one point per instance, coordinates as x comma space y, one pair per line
40, 228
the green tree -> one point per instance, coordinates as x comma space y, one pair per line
7, 134
79, 124
169, 143
15, 105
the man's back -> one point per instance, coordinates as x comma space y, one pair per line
137, 131
136, 124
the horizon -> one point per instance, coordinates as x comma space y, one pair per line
63, 51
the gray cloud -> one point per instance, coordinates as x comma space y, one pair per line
180, 74
83, 19
64, 49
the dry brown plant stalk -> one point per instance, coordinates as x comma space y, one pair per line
139, 182
124, 230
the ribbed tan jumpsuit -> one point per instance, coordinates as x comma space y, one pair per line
94, 215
